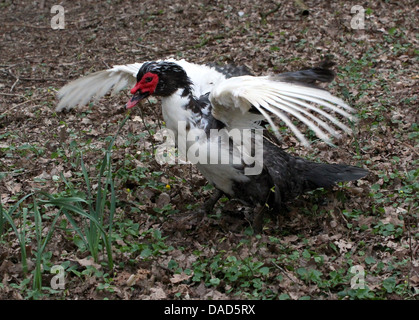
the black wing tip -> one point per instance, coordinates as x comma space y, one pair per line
355, 173
231, 70
310, 76
327, 175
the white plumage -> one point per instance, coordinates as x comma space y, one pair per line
277, 97
96, 85
231, 99
198, 100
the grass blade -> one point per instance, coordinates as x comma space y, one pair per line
67, 206
20, 235
41, 244
2, 221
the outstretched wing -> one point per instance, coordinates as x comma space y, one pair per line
235, 100
96, 85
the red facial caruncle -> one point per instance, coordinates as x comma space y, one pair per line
148, 83
143, 88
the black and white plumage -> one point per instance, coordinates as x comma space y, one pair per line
208, 97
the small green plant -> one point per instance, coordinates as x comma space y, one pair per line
41, 244
21, 235
242, 276
97, 227
23, 238
97, 230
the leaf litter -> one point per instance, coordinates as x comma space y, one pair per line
309, 250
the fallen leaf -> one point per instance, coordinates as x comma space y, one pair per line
88, 262
157, 294
179, 277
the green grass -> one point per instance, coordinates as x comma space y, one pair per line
102, 224
95, 230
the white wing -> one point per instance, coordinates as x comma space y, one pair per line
233, 98
96, 85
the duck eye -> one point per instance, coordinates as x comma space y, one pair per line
148, 79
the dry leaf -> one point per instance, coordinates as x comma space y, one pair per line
179, 277
88, 262
157, 294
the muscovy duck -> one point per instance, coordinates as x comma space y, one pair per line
205, 98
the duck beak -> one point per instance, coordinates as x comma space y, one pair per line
137, 97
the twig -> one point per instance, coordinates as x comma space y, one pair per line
12, 94
11, 73
31, 79
25, 25
13, 86
264, 16
22, 103
409, 146
18, 172
43, 79
8, 65
106, 65
147, 127
283, 271
156, 114
147, 47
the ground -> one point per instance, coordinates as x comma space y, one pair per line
357, 241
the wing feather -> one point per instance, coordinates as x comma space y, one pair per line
285, 119
268, 95
96, 85
285, 106
319, 111
308, 114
